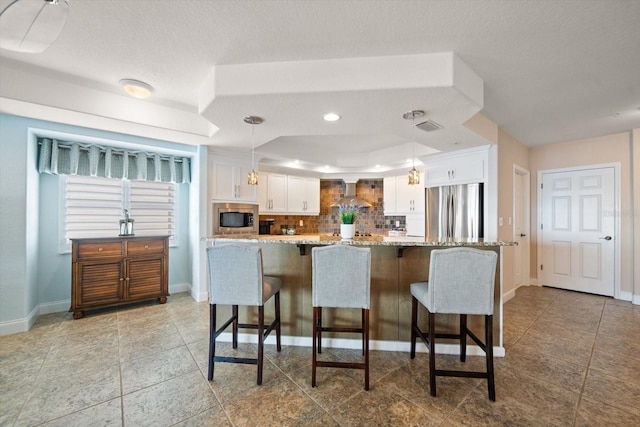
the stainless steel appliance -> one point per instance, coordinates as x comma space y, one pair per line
235, 218
265, 226
455, 212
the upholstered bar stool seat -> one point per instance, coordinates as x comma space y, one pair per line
236, 278
461, 281
341, 278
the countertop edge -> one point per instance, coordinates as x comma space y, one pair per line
364, 241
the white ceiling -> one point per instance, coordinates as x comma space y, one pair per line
552, 71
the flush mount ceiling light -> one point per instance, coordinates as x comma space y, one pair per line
31, 26
331, 117
414, 175
252, 177
136, 88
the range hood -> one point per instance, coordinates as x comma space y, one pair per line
350, 197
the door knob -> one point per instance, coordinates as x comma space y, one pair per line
606, 238
523, 235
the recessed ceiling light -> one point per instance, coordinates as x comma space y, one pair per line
136, 88
331, 117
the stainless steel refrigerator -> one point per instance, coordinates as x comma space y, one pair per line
454, 212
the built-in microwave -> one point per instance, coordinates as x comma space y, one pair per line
235, 218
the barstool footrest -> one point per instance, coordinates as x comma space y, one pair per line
465, 374
228, 359
341, 329
349, 365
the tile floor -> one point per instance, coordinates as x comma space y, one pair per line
572, 359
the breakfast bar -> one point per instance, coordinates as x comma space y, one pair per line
396, 262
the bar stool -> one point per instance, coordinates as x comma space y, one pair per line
341, 278
236, 278
461, 281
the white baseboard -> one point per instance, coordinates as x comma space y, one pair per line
179, 287
19, 325
22, 325
403, 346
54, 307
509, 295
14, 326
636, 300
533, 281
625, 296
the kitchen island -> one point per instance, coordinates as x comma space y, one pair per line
396, 262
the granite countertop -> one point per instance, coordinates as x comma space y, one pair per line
327, 239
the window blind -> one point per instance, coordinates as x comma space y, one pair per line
152, 206
93, 207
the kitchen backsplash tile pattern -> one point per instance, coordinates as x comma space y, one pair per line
371, 220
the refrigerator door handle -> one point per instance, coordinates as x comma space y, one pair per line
451, 213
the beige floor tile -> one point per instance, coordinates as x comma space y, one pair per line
54, 396
104, 414
596, 414
145, 371
381, 407
546, 368
558, 346
477, 410
612, 391
622, 367
74, 372
276, 403
211, 417
169, 402
412, 382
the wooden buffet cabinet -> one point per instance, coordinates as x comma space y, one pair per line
118, 270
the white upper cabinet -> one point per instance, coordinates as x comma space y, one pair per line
303, 195
400, 198
272, 193
228, 180
409, 198
451, 169
389, 195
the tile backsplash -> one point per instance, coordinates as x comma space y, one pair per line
371, 220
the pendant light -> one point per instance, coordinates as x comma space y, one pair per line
252, 177
414, 175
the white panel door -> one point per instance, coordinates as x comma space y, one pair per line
577, 230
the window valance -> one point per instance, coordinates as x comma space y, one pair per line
73, 158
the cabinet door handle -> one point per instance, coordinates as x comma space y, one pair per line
146, 246
100, 249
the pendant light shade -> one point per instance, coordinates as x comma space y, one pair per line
31, 26
252, 177
414, 175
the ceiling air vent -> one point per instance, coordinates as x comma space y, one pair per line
428, 126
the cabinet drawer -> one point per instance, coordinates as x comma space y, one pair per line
92, 250
141, 247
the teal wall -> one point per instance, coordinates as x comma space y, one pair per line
32, 272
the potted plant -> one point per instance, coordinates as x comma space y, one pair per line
348, 214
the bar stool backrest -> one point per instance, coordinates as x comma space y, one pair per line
341, 277
235, 275
461, 281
